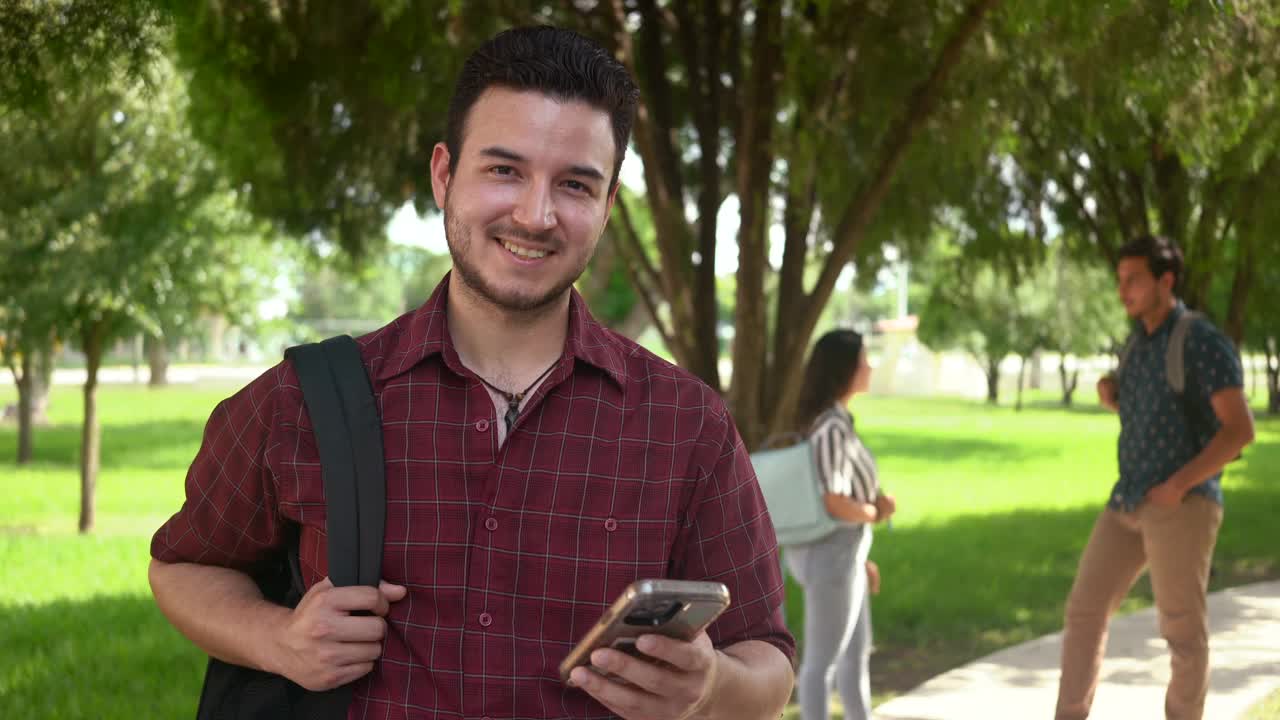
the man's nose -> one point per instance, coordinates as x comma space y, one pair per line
535, 210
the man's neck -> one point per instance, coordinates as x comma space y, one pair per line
1156, 317
509, 349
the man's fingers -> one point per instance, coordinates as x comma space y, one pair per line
392, 592
359, 629
358, 597
346, 674
623, 700
688, 656
356, 653
641, 673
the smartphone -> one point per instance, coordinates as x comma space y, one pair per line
676, 608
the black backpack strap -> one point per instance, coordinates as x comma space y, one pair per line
364, 429
348, 436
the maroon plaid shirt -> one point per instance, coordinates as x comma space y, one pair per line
620, 467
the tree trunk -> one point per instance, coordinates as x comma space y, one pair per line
1273, 377
25, 380
136, 351
92, 344
993, 381
1069, 382
787, 368
635, 323
1022, 374
1036, 381
755, 161
157, 361
1241, 284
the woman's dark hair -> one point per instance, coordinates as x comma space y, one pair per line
556, 62
832, 364
1162, 255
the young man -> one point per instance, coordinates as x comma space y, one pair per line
536, 463
1165, 511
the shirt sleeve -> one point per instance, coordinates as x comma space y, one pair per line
230, 514
830, 443
727, 537
1212, 359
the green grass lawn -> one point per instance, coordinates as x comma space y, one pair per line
994, 508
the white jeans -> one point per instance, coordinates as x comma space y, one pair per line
837, 622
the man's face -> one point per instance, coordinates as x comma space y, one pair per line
1139, 290
526, 204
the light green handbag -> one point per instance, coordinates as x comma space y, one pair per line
789, 482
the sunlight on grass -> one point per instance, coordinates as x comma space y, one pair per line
1267, 709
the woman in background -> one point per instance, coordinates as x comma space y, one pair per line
835, 572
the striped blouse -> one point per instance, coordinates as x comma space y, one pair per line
845, 466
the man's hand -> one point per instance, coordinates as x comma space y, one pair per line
1107, 393
324, 645
873, 577
674, 691
886, 506
1167, 494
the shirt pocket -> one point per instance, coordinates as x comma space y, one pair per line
598, 535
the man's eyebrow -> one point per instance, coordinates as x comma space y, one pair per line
501, 153
586, 171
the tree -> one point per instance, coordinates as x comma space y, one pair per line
218, 261
983, 309
119, 221
278, 96
327, 111
1084, 317
1166, 122
1263, 331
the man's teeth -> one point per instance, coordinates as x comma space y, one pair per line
524, 252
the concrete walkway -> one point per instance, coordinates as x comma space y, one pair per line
1022, 682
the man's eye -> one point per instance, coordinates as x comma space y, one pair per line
502, 170
577, 186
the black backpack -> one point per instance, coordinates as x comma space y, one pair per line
348, 434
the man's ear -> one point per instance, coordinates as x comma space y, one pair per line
440, 173
613, 197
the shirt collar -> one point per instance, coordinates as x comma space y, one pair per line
424, 333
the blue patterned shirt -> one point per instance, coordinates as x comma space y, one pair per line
1159, 431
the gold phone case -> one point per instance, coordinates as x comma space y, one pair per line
675, 608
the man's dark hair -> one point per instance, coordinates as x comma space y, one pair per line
1162, 255
553, 61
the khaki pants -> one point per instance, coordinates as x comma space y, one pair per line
1176, 545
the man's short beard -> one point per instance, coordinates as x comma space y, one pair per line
461, 240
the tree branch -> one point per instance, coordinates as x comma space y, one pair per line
857, 218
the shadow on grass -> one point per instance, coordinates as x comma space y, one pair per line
914, 445
106, 657
147, 445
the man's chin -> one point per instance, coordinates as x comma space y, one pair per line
521, 302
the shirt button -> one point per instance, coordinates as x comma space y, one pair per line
491, 524
482, 425
610, 524
486, 619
